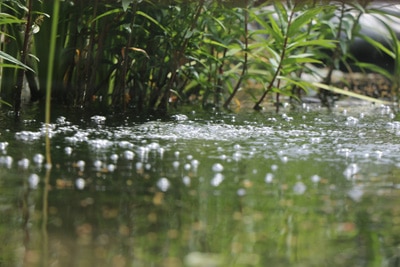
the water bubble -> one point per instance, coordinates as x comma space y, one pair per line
139, 166
315, 178
274, 167
356, 193
186, 180
3, 145
176, 154
217, 179
111, 167
351, 121
98, 119
187, 167
241, 192
154, 146
217, 167
114, 158
236, 147
61, 120
80, 183
237, 156
284, 159
99, 144
97, 164
33, 180
28, 136
68, 150
179, 117
129, 155
38, 159
195, 163
175, 164
6, 161
80, 164
351, 171
299, 188
268, 178
163, 184
23, 163
125, 145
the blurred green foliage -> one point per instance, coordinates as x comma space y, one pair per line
147, 55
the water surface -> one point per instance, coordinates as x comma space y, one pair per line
298, 188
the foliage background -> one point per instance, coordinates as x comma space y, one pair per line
147, 55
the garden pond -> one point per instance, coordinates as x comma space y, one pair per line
309, 187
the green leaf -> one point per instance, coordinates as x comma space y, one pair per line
125, 4
140, 13
375, 68
303, 18
351, 94
379, 45
113, 11
14, 60
307, 43
9, 19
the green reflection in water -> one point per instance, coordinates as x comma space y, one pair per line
306, 213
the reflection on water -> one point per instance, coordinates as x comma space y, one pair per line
216, 189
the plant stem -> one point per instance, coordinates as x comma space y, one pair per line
49, 79
278, 69
24, 52
244, 69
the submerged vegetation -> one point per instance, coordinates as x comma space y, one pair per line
148, 55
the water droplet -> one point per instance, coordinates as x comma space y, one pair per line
38, 159
187, 167
269, 178
80, 183
3, 145
351, 171
351, 121
125, 144
97, 164
356, 193
68, 150
241, 192
6, 161
217, 167
114, 158
274, 167
237, 156
98, 119
80, 164
33, 180
217, 179
129, 155
175, 164
195, 163
315, 178
299, 188
111, 167
139, 166
23, 163
163, 184
186, 180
